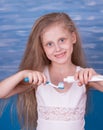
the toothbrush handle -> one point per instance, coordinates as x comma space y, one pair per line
70, 79
27, 80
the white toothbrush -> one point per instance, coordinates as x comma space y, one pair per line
70, 79
59, 86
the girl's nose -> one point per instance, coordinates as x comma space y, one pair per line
57, 47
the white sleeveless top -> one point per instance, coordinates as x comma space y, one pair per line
61, 111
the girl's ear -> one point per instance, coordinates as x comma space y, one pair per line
73, 38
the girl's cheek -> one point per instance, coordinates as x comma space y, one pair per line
66, 46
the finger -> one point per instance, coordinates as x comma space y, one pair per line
35, 78
80, 84
44, 79
40, 78
30, 78
91, 73
81, 76
86, 75
76, 76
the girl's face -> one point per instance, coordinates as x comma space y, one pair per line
58, 43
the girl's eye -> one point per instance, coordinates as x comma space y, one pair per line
50, 44
62, 39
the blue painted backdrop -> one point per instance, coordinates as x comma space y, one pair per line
16, 20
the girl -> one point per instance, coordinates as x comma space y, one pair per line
53, 52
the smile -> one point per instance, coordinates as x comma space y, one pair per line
60, 55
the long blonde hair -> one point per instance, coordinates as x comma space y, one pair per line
35, 59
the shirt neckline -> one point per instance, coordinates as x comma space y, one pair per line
48, 76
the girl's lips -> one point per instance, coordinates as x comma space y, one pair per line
60, 55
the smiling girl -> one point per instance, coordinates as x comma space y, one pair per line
53, 52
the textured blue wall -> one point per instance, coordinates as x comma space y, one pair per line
16, 20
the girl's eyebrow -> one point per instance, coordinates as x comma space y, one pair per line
46, 42
63, 37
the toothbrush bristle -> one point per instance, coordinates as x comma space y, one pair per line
61, 85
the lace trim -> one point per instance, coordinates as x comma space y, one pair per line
58, 113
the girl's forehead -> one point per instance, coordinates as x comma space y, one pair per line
54, 32
54, 26
54, 29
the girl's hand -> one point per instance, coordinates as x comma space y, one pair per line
11, 86
84, 75
35, 77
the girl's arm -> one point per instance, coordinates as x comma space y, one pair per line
97, 85
10, 85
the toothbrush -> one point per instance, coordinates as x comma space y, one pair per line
59, 86
70, 79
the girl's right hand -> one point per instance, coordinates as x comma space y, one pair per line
35, 77
11, 86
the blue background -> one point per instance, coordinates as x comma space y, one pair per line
16, 20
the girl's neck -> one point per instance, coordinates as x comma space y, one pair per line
58, 72
64, 70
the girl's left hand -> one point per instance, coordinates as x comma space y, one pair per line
84, 75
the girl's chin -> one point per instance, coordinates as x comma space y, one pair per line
61, 61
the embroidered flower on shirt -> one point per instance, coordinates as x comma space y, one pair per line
60, 113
